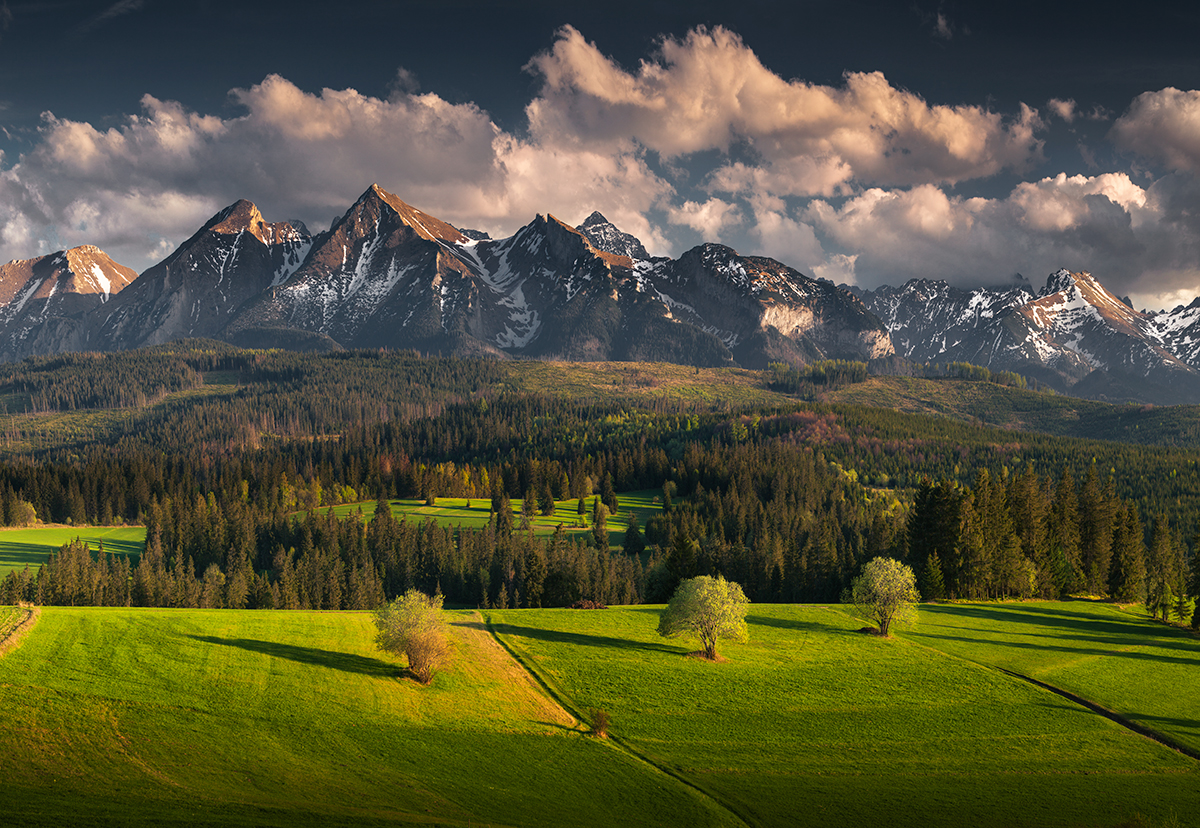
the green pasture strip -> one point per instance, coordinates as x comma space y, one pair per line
814, 723
1121, 660
33, 545
225, 717
597, 381
474, 513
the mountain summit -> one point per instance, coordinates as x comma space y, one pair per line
42, 299
1074, 335
605, 236
387, 274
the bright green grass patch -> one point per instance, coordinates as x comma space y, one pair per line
222, 717
1141, 669
33, 546
813, 723
474, 513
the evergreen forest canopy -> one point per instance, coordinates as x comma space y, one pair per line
225, 454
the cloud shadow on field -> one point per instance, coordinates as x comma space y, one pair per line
581, 639
346, 662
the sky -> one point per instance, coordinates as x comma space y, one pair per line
863, 142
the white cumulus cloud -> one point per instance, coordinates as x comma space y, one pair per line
709, 91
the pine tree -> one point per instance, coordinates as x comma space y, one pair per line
1127, 579
634, 544
933, 587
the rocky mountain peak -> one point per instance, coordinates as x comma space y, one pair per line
607, 238
1060, 280
377, 199
244, 217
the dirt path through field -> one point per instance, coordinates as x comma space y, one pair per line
489, 657
14, 632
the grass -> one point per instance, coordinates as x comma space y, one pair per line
144, 717
474, 513
291, 718
597, 381
9, 617
812, 723
1122, 660
32, 545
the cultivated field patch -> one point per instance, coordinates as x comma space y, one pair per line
474, 513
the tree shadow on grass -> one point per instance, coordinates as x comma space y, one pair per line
1055, 617
580, 639
1139, 655
796, 625
346, 662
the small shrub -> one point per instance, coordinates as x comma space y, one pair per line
600, 722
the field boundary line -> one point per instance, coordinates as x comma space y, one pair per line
619, 744
13, 638
1112, 715
1099, 709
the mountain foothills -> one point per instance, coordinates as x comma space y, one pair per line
389, 275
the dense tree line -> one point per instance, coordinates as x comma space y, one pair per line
790, 502
1021, 535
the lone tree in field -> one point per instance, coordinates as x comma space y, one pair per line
412, 625
886, 593
709, 608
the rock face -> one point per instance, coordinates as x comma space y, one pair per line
763, 310
43, 300
1073, 334
605, 236
195, 291
389, 275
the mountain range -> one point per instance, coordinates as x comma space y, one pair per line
387, 275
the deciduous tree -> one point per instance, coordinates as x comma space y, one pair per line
413, 625
709, 608
886, 593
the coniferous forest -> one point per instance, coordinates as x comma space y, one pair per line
226, 455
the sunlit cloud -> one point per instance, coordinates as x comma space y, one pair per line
1163, 126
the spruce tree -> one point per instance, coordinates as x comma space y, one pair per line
933, 587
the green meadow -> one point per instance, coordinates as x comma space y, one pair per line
474, 513
221, 717
32, 545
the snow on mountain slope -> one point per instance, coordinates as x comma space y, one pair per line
1070, 330
43, 300
193, 292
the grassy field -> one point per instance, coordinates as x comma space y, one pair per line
218, 717
474, 513
1119, 659
813, 723
32, 545
294, 718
